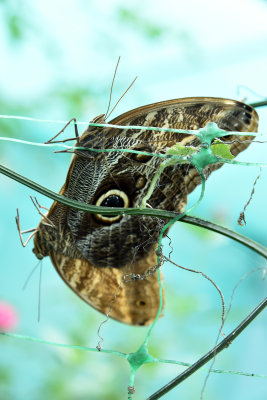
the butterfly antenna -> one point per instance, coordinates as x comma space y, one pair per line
112, 84
39, 293
121, 98
39, 264
30, 275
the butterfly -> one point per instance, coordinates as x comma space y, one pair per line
92, 252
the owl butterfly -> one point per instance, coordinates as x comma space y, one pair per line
92, 253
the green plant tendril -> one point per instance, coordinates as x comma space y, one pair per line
199, 159
257, 247
135, 360
208, 154
130, 357
122, 355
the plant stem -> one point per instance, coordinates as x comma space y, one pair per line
258, 248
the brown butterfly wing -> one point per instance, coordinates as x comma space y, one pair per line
92, 173
192, 113
105, 289
136, 302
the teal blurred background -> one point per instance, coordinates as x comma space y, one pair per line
57, 62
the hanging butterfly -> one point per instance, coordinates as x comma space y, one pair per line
92, 252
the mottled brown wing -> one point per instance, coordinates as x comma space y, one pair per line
92, 258
131, 302
93, 173
191, 113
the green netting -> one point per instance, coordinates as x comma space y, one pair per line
210, 151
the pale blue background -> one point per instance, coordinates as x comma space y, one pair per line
57, 62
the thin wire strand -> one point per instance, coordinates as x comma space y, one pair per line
132, 127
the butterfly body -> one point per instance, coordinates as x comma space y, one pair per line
93, 253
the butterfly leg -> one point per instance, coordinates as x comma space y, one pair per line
33, 231
62, 130
38, 206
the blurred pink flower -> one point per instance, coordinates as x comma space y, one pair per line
8, 316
